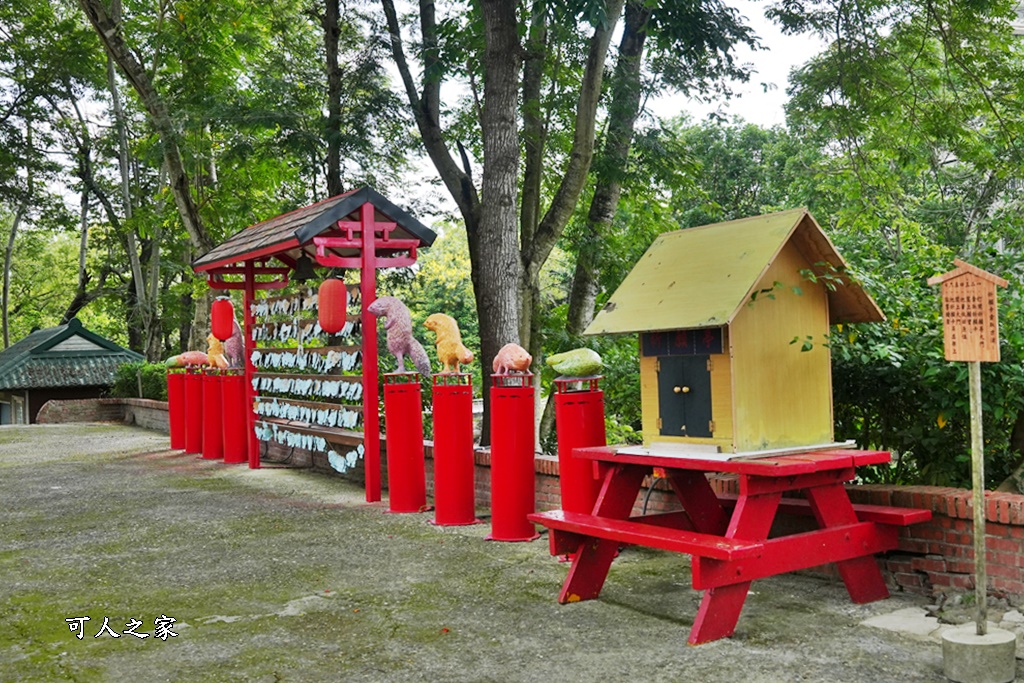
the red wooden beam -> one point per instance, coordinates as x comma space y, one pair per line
368, 292
250, 368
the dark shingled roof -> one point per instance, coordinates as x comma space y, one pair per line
62, 356
286, 235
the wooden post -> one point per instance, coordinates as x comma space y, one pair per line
970, 324
978, 500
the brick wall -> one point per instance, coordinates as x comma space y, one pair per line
939, 555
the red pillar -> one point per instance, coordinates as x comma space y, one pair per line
512, 473
403, 420
193, 410
233, 411
579, 419
454, 489
213, 441
253, 444
371, 416
176, 407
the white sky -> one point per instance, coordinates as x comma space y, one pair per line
772, 67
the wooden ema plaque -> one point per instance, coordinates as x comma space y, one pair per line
970, 319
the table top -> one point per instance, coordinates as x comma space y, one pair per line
774, 466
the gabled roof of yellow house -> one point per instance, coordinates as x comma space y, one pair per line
702, 277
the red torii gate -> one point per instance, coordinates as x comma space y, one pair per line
357, 230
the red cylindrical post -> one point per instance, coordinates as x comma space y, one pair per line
454, 494
512, 473
403, 420
213, 438
233, 411
176, 407
193, 410
579, 420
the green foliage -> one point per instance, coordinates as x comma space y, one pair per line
140, 380
440, 283
917, 112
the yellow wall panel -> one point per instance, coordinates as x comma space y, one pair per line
782, 395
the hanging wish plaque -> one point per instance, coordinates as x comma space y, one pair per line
970, 319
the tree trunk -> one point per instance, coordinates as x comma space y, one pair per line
494, 246
536, 250
142, 314
622, 114
110, 35
19, 215
534, 130
332, 134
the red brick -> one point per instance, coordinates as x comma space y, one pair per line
930, 534
930, 563
991, 507
965, 582
1017, 510
1006, 586
1004, 572
956, 538
1004, 559
908, 579
1004, 511
899, 566
912, 546
1003, 544
960, 566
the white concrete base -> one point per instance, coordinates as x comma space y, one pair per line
970, 658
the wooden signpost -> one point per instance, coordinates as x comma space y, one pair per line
970, 322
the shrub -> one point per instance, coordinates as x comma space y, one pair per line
140, 380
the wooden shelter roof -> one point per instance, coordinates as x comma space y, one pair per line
285, 236
702, 277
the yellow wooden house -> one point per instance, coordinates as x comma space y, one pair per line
733, 321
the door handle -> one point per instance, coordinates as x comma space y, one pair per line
681, 390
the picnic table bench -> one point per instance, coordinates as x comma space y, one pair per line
727, 534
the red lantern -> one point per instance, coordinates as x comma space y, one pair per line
222, 318
332, 305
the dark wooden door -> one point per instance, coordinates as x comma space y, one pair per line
684, 396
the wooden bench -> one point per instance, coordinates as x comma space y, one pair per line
569, 528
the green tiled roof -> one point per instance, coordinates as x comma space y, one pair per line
62, 356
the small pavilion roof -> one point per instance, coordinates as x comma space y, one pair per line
284, 237
63, 356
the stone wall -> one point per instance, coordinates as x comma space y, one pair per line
143, 412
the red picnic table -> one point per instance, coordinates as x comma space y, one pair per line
727, 535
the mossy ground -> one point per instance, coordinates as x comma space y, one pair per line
278, 574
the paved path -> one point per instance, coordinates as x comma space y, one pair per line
277, 574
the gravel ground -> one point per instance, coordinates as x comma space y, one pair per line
288, 575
